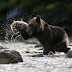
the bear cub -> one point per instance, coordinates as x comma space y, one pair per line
53, 38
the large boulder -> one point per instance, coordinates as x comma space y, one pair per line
10, 56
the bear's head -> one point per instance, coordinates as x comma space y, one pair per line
36, 24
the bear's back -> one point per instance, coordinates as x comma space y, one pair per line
59, 35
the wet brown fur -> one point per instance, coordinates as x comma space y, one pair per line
42, 23
53, 38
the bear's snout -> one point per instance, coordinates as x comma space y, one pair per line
29, 30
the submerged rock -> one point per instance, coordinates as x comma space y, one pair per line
69, 54
2, 47
10, 56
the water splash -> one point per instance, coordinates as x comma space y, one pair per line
11, 37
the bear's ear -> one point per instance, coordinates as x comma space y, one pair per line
33, 16
38, 19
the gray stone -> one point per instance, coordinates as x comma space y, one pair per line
2, 47
69, 54
10, 56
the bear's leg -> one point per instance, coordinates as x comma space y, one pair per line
53, 51
63, 48
45, 52
66, 50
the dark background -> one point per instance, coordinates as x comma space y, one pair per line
54, 12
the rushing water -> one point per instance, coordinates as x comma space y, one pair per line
34, 61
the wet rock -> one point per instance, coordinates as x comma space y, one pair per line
69, 54
10, 56
2, 47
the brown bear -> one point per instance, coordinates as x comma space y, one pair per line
53, 38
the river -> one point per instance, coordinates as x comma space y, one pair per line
34, 61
